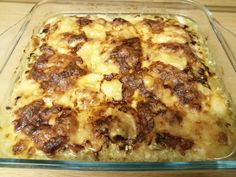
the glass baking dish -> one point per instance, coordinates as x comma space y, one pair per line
221, 43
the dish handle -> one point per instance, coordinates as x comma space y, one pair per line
228, 41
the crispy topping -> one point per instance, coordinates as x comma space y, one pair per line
121, 126
49, 128
147, 111
75, 37
57, 72
108, 125
131, 82
157, 26
19, 147
151, 110
174, 142
27, 116
83, 21
47, 139
46, 28
128, 55
177, 47
102, 126
76, 148
119, 21
173, 117
195, 68
109, 77
46, 50
179, 83
76, 40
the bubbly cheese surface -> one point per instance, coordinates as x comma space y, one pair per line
118, 88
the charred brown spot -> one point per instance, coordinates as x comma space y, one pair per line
76, 48
61, 81
179, 83
83, 21
19, 147
46, 28
118, 138
8, 107
119, 21
47, 139
157, 26
109, 77
130, 83
76, 148
105, 127
201, 74
147, 111
176, 47
173, 117
49, 128
101, 126
76, 39
195, 68
187, 94
17, 99
66, 122
57, 72
174, 142
128, 55
144, 125
153, 110
27, 117
46, 50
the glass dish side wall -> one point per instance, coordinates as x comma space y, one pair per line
47, 9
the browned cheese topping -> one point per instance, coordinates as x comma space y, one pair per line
49, 128
128, 88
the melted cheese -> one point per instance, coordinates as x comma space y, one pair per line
98, 34
112, 89
90, 81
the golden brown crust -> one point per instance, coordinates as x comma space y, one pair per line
195, 68
76, 148
175, 142
157, 25
179, 83
136, 89
83, 21
57, 72
19, 147
128, 55
49, 128
119, 21
131, 82
77, 39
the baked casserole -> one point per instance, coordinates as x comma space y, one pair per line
119, 88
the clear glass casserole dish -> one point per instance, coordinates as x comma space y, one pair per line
220, 43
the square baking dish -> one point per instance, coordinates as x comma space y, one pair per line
221, 43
